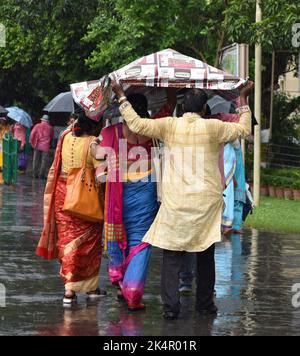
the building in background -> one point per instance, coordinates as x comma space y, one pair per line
290, 82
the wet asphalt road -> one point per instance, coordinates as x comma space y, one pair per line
255, 275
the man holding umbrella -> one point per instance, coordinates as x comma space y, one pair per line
40, 139
189, 217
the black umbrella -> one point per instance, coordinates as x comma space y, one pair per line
3, 111
63, 102
218, 104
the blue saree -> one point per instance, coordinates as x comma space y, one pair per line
139, 210
235, 192
229, 170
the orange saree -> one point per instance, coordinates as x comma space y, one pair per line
75, 242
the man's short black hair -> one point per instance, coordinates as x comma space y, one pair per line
194, 100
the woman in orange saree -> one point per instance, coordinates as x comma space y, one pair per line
74, 242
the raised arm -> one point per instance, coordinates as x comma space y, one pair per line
147, 127
225, 131
230, 131
143, 126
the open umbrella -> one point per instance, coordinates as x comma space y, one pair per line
20, 116
167, 68
3, 111
63, 102
217, 105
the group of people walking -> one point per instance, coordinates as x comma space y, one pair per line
20, 134
186, 215
39, 138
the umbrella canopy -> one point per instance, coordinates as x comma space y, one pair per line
217, 105
20, 116
3, 111
167, 68
63, 102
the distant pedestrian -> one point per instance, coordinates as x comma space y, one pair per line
4, 128
40, 139
19, 133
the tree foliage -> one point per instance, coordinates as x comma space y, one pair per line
53, 43
127, 29
286, 118
44, 49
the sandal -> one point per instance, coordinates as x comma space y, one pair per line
227, 231
238, 232
98, 293
69, 299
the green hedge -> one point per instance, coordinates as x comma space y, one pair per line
281, 177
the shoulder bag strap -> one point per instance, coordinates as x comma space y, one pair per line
86, 151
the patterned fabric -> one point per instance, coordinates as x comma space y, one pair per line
130, 208
128, 268
76, 243
114, 229
193, 210
79, 246
167, 68
47, 244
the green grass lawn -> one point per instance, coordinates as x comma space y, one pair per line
276, 215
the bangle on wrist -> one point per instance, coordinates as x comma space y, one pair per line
121, 99
95, 142
243, 109
124, 105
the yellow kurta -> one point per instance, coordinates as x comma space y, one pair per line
189, 218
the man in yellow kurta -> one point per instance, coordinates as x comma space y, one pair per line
189, 218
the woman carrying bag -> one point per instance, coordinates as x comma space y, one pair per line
73, 212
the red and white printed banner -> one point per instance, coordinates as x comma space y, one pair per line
167, 68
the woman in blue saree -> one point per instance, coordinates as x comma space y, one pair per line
235, 192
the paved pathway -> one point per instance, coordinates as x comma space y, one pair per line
255, 275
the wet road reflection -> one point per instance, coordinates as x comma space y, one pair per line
255, 274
